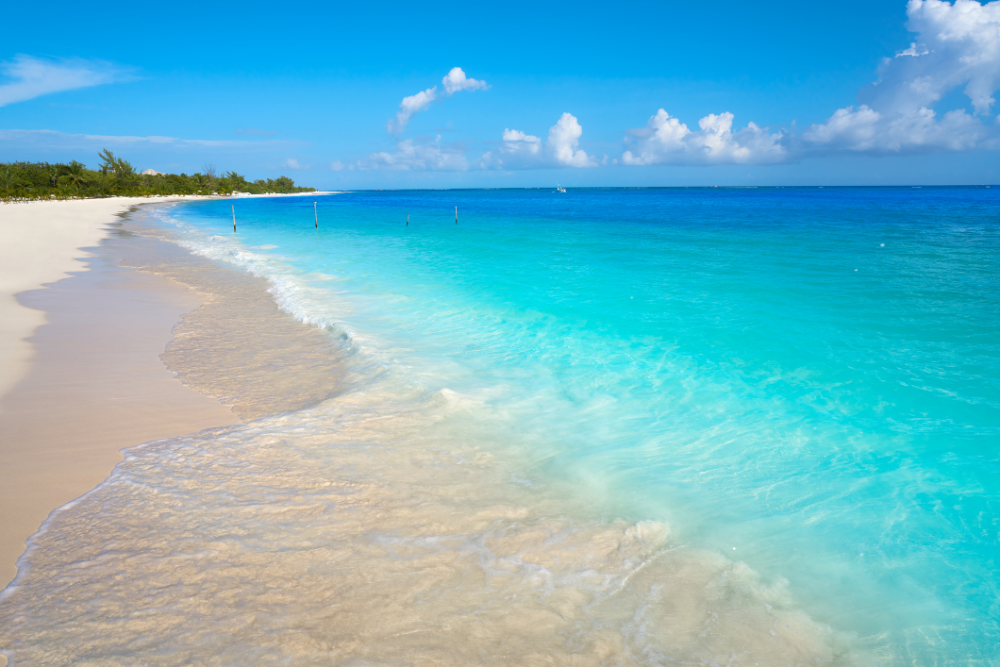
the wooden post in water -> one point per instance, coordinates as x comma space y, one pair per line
407, 219
234, 218
315, 215
456, 215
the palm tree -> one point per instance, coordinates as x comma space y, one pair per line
200, 181
74, 175
108, 161
123, 172
8, 181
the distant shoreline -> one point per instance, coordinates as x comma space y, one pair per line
146, 199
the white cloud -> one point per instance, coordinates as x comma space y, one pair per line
564, 137
409, 106
666, 140
411, 155
520, 150
957, 44
914, 50
521, 146
867, 131
292, 163
453, 81
32, 77
514, 136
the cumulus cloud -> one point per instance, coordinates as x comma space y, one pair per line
864, 130
453, 81
520, 150
564, 137
958, 45
31, 77
409, 106
666, 140
411, 155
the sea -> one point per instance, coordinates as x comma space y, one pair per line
664, 426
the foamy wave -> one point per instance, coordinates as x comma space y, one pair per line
354, 534
293, 293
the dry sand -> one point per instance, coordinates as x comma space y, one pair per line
80, 373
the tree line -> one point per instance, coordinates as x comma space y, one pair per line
116, 176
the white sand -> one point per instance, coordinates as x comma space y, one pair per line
39, 244
80, 372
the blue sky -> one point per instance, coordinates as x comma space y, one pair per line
544, 94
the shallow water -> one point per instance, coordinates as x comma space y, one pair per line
607, 426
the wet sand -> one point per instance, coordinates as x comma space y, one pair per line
131, 351
40, 243
95, 386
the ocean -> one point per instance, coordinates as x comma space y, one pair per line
730, 426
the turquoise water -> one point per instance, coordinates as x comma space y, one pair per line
804, 380
811, 376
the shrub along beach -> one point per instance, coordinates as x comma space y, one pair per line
21, 181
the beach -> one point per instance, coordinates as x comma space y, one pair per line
80, 345
82, 375
476, 443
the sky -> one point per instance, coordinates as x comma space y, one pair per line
513, 94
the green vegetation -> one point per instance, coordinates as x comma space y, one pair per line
41, 180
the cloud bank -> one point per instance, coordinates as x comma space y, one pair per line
417, 155
519, 150
666, 140
453, 81
33, 77
524, 151
957, 45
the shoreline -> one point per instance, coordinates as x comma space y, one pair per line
312, 505
87, 379
42, 242
146, 198
39, 247
129, 336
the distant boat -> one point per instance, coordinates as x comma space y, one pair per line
560, 189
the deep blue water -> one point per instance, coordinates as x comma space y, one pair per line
807, 379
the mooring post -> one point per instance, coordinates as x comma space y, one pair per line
234, 218
315, 215
456, 215
407, 219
